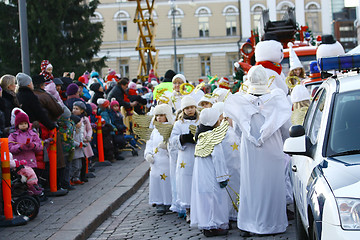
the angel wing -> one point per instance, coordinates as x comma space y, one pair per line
141, 126
164, 129
207, 140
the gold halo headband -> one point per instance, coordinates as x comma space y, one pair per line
184, 90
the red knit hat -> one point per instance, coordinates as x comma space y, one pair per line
21, 117
103, 102
114, 102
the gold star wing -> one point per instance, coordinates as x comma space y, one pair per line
207, 140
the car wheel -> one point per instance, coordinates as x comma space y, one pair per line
313, 231
300, 229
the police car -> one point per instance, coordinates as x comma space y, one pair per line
325, 154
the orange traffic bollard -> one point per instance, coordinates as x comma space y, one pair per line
6, 180
53, 163
100, 139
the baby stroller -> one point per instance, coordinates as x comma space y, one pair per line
23, 203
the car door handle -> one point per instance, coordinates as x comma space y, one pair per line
294, 168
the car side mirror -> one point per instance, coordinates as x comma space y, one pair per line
298, 143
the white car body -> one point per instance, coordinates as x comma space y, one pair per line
318, 175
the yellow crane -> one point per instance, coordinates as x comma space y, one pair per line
145, 42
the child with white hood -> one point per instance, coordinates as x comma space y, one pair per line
157, 154
182, 138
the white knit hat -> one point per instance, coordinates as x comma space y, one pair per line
187, 101
219, 106
299, 93
164, 109
220, 94
206, 98
179, 76
293, 58
209, 116
258, 80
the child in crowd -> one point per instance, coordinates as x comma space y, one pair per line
79, 109
156, 153
300, 98
97, 92
117, 120
66, 131
78, 152
28, 173
93, 123
107, 128
206, 101
183, 139
209, 208
24, 142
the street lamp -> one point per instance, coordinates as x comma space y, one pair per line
173, 10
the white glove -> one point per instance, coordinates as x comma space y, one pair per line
162, 145
149, 158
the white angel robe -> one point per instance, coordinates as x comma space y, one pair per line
264, 122
209, 202
184, 164
278, 82
173, 155
160, 180
231, 147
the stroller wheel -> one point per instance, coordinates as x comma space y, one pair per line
26, 206
134, 153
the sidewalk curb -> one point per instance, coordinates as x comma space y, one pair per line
86, 222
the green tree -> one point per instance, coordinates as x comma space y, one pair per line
59, 31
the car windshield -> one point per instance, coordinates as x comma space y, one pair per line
344, 135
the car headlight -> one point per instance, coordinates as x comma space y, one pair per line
349, 209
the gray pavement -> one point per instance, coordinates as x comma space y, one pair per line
136, 219
77, 214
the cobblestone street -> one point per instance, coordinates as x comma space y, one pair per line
136, 219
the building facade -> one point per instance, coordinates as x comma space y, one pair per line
207, 32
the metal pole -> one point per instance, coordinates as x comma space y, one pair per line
24, 37
174, 35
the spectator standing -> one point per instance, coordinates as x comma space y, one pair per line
8, 85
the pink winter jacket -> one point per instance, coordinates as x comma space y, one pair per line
87, 137
17, 138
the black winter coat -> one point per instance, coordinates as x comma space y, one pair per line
118, 93
10, 102
30, 103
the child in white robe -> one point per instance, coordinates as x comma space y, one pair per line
209, 199
183, 139
157, 154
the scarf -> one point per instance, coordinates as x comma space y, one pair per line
200, 129
271, 65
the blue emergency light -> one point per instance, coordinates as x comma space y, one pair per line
345, 62
314, 67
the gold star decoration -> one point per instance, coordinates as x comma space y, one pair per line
235, 146
182, 164
163, 176
156, 150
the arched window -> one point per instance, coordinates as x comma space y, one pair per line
147, 15
231, 13
96, 18
256, 12
282, 8
176, 15
121, 17
203, 14
313, 17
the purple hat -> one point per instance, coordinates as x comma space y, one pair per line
72, 89
21, 117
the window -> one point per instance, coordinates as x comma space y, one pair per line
203, 26
231, 60
178, 31
122, 30
256, 16
121, 17
180, 65
124, 68
203, 13
96, 18
312, 17
230, 12
205, 66
230, 25
314, 115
